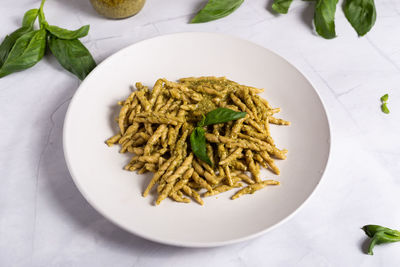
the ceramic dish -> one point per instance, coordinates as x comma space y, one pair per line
98, 170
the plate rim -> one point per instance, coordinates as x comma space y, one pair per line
192, 244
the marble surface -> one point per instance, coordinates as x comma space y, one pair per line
44, 221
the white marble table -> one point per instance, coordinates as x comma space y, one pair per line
44, 221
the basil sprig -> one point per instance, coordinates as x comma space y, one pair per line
26, 46
360, 13
216, 9
380, 235
197, 137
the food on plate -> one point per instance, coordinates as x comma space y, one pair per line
199, 136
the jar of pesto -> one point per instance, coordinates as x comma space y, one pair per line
117, 9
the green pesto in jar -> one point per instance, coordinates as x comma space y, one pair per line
117, 9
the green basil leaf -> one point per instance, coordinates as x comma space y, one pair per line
67, 34
281, 6
28, 50
9, 41
221, 115
361, 14
72, 55
324, 18
385, 109
216, 9
30, 18
385, 98
198, 144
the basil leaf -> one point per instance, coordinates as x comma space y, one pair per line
361, 14
324, 18
72, 55
28, 50
281, 6
385, 109
30, 18
198, 144
216, 9
385, 98
67, 34
221, 115
9, 42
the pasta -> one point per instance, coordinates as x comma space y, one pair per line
155, 125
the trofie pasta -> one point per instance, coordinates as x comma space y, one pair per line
155, 125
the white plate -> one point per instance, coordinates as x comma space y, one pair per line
115, 193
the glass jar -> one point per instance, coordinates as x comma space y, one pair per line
117, 9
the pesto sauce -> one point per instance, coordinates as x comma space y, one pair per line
117, 9
205, 105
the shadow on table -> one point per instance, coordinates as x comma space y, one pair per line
307, 16
56, 186
269, 8
364, 245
